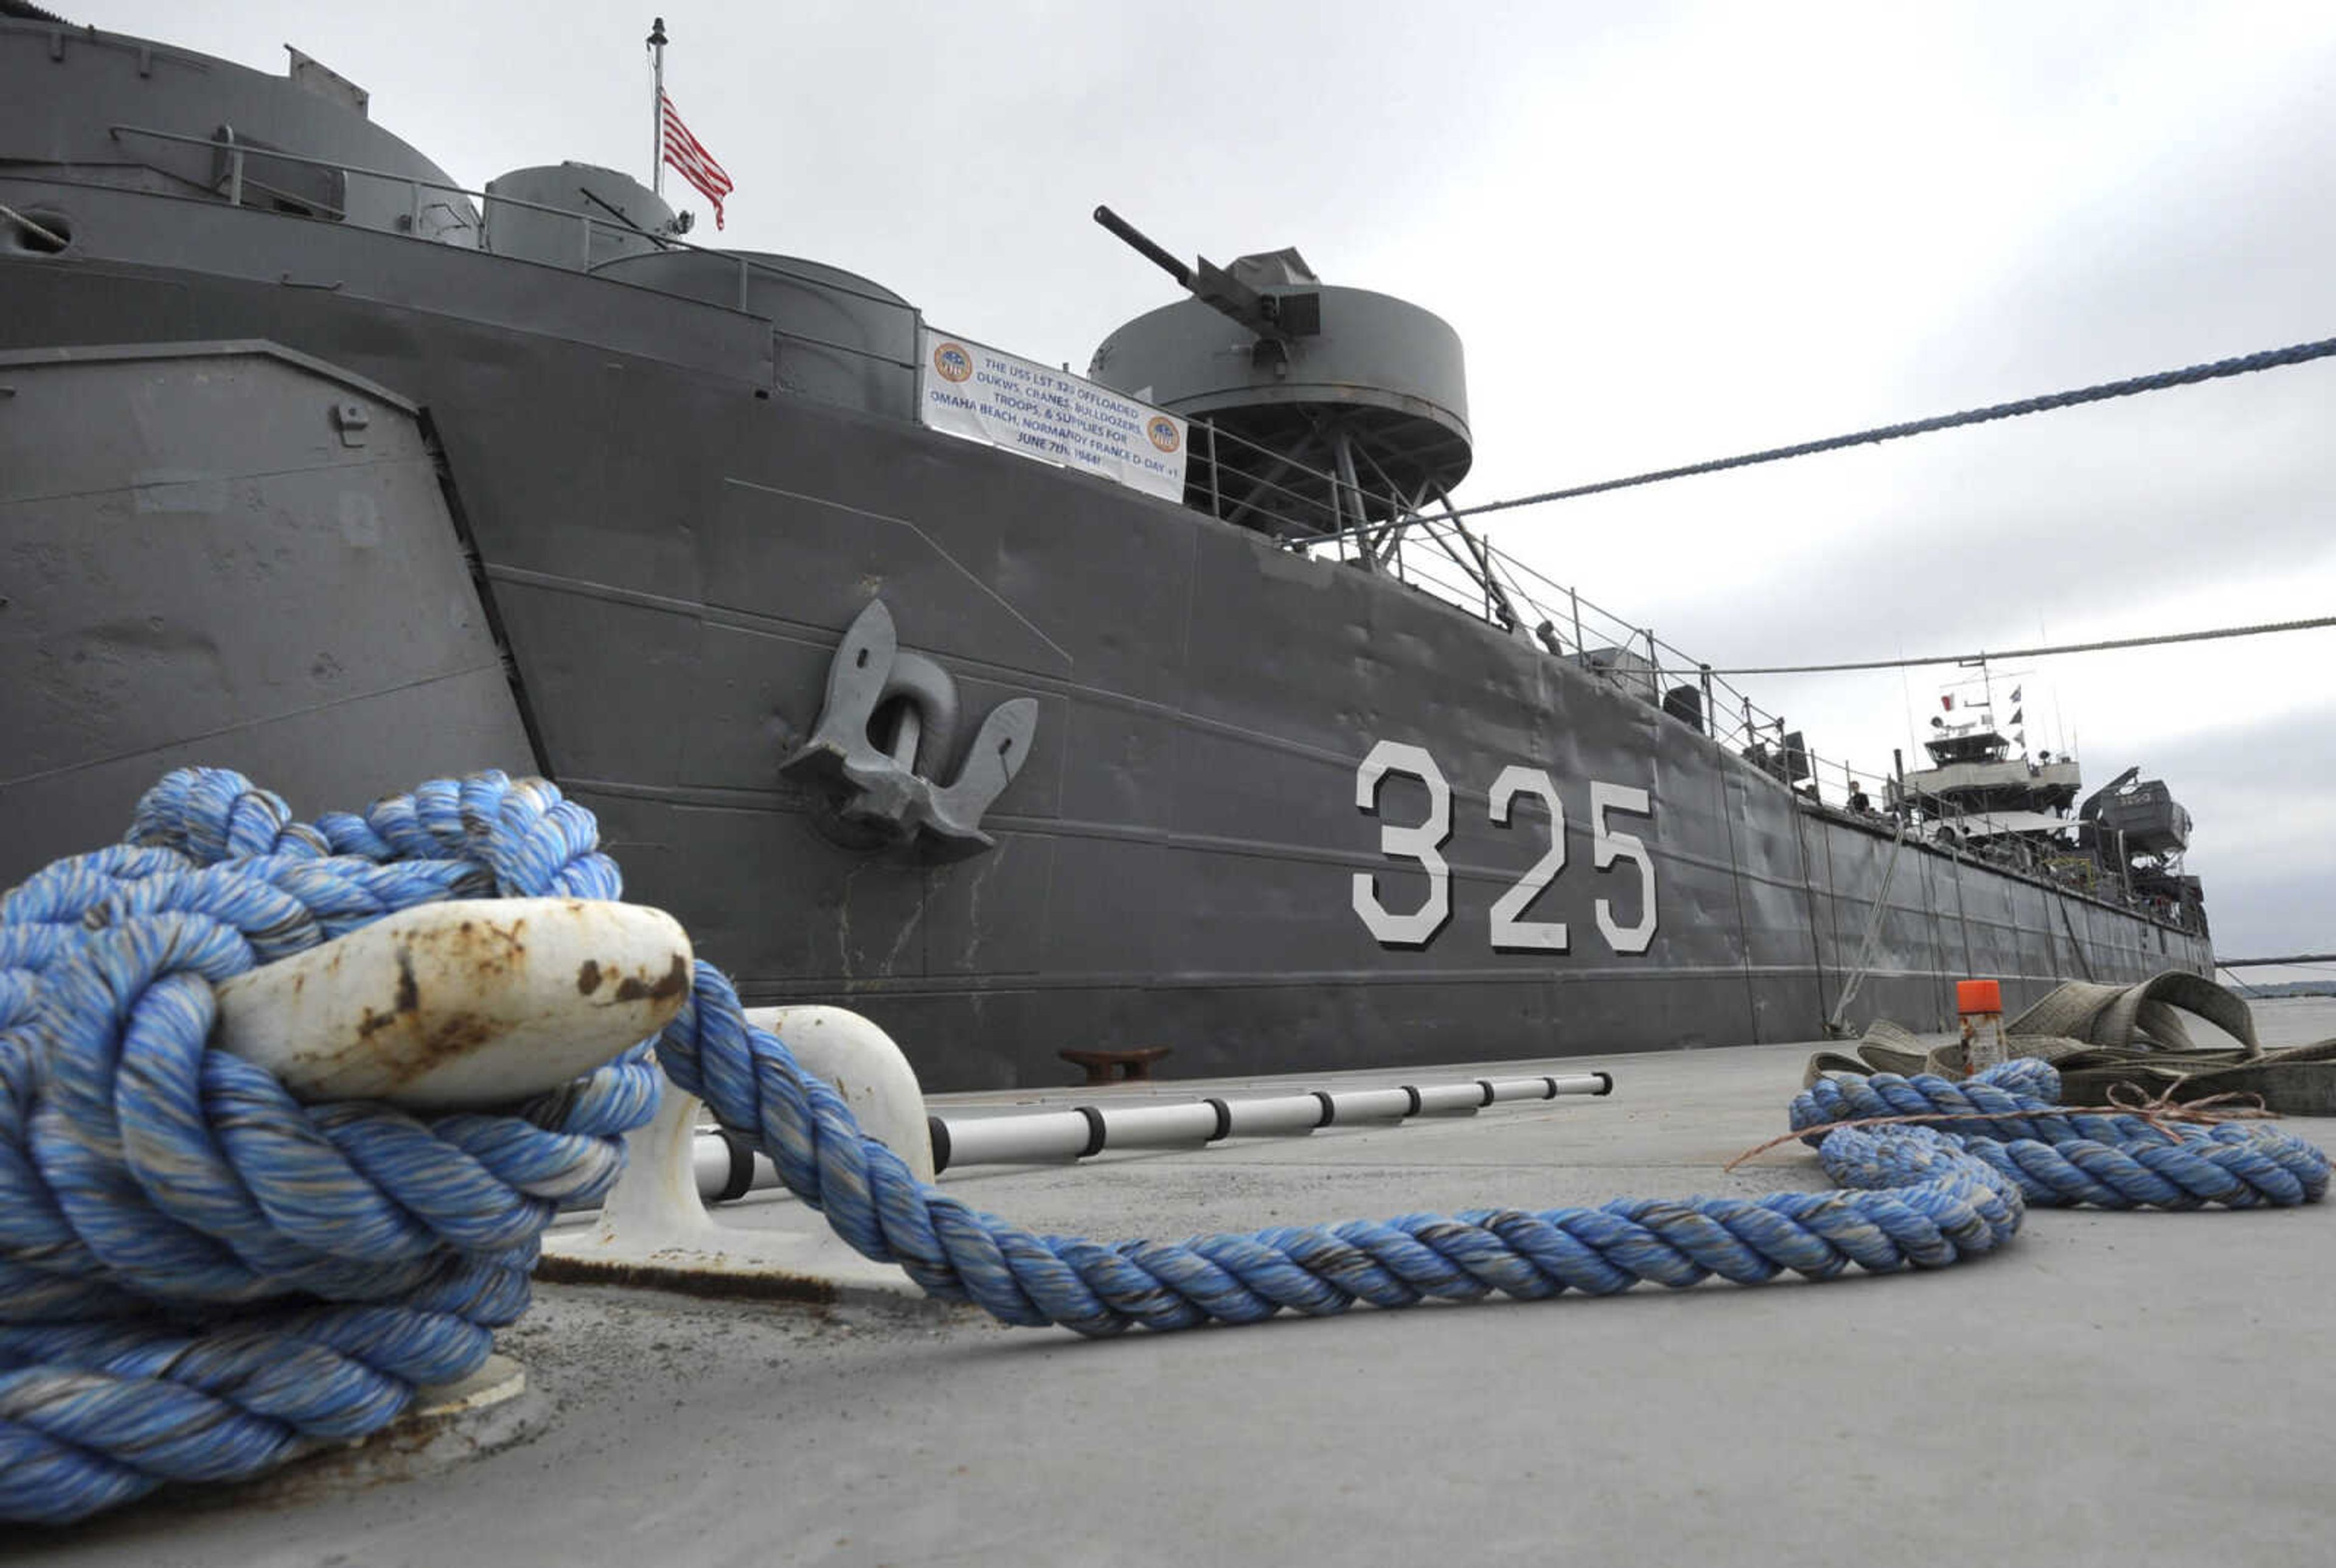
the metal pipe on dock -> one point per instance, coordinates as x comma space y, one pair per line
722, 1166
726, 1167
1084, 1131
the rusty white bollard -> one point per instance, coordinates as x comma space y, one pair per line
654, 1229
463, 1005
1980, 1004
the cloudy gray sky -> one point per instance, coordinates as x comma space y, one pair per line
1664, 233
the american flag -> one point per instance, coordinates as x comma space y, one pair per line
689, 158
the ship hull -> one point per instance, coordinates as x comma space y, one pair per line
1198, 851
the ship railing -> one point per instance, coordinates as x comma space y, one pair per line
1399, 538
1572, 627
1262, 500
1633, 658
1372, 526
1279, 495
588, 225
1521, 598
1661, 672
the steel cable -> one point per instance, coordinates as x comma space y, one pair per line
2190, 375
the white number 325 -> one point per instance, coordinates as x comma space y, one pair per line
1422, 844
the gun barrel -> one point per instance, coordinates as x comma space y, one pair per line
1144, 245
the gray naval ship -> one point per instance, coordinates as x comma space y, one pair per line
314, 465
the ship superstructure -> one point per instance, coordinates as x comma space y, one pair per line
1974, 773
1982, 790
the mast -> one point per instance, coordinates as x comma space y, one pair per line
657, 105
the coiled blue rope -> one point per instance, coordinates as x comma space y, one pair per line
2109, 1161
200, 1275
147, 1186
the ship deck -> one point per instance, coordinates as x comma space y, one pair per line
2113, 1387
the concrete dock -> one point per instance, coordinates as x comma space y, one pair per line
2114, 1388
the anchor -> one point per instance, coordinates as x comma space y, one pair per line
887, 795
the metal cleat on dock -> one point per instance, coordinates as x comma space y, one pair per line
654, 1229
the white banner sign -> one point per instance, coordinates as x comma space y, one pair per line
969, 389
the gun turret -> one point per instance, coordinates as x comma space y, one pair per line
1333, 407
1276, 317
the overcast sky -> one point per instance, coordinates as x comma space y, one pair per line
1664, 234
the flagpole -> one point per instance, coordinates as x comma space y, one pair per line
656, 106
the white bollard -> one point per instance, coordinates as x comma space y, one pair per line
654, 1228
654, 1204
468, 1003
866, 1067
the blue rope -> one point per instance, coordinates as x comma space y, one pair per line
2076, 398
2109, 1161
1912, 1195
197, 1275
